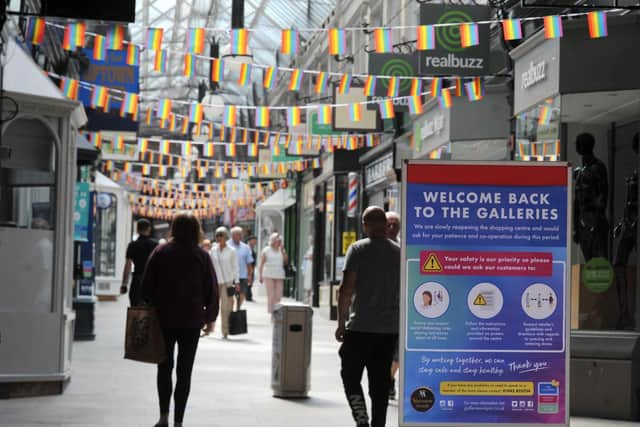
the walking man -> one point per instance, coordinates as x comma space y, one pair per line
245, 263
371, 274
225, 265
138, 252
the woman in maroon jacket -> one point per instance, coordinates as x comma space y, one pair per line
180, 282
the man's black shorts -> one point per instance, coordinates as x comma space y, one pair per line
244, 286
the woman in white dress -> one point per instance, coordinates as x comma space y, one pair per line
272, 261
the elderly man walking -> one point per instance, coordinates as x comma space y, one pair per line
245, 263
225, 264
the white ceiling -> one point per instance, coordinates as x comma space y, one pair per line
601, 108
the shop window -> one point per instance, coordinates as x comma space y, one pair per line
329, 247
106, 237
538, 132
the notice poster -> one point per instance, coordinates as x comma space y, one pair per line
485, 328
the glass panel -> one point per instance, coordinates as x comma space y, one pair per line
538, 132
106, 243
329, 229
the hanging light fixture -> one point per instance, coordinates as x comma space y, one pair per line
237, 21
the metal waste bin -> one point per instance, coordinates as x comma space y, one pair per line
291, 354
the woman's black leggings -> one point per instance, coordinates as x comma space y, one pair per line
187, 340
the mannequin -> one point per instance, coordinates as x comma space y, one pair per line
626, 229
590, 225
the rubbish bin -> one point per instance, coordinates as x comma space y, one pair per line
291, 355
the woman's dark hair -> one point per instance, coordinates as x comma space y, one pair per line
186, 229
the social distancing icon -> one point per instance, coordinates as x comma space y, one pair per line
432, 264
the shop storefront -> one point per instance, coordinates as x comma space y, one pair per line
381, 184
305, 238
573, 108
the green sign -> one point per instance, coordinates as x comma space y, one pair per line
597, 275
320, 129
81, 212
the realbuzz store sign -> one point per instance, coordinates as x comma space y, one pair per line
392, 64
449, 57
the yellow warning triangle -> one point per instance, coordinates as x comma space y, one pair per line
480, 300
432, 264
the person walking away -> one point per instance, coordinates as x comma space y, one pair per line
371, 276
245, 263
181, 284
225, 264
393, 230
272, 261
137, 255
252, 242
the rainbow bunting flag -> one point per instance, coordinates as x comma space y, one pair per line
345, 84
154, 38
70, 87
436, 87
99, 48
133, 55
217, 70
195, 112
474, 90
458, 86
172, 122
143, 145
275, 149
394, 87
368, 140
160, 61
244, 77
164, 109
337, 41
293, 116
322, 80
74, 36
37, 28
165, 147
512, 29
426, 37
416, 87
545, 115
146, 170
296, 80
386, 109
208, 149
229, 116
355, 112
469, 35
189, 65
597, 24
195, 41
553, 27
147, 117
115, 37
120, 143
99, 96
230, 150
290, 42
415, 105
370, 86
382, 40
184, 127
186, 149
270, 77
96, 139
252, 150
297, 148
239, 41
262, 117
127, 167
324, 114
445, 99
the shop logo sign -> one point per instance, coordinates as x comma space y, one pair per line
534, 75
393, 64
433, 127
398, 67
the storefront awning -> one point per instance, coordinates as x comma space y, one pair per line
280, 200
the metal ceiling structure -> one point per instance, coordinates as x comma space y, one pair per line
178, 16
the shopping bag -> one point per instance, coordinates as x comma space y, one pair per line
238, 322
144, 341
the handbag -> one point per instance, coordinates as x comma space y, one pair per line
238, 322
144, 341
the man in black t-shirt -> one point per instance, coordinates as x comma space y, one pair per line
138, 252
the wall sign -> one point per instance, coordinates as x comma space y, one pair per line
392, 64
376, 172
534, 75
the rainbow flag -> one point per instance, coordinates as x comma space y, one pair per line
512, 29
195, 112
337, 41
345, 84
120, 143
189, 65
74, 36
426, 37
146, 170
382, 40
154, 38
270, 77
165, 147
143, 145
324, 114
469, 35
293, 116
597, 24
244, 77
545, 115
99, 96
297, 148
184, 128
262, 117
96, 139
37, 28
370, 86
296, 80
229, 116
69, 87
252, 150
127, 167
217, 70
290, 42
553, 27
230, 150
172, 122
445, 99
394, 87
355, 112
186, 149
195, 41
133, 55
415, 105
436, 87
209, 149
386, 109
160, 61
99, 48
147, 117
416, 87
458, 86
239, 41
474, 89
164, 109
115, 37
322, 80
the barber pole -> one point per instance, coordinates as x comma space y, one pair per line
353, 195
